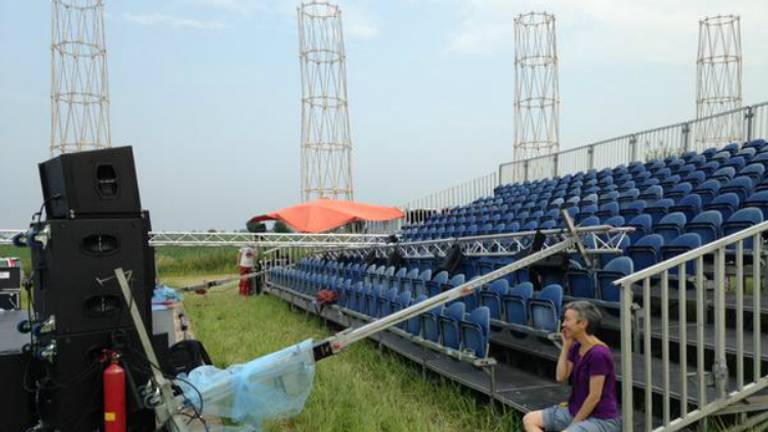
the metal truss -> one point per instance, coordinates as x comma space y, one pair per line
537, 96
267, 240
326, 146
236, 239
79, 87
600, 239
718, 81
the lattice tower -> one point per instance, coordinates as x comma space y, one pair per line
537, 96
718, 81
79, 88
326, 147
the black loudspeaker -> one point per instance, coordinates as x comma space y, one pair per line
16, 404
74, 277
99, 183
72, 396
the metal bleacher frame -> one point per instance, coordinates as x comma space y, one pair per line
509, 385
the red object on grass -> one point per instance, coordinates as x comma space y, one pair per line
114, 397
323, 215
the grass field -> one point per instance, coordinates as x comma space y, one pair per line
363, 389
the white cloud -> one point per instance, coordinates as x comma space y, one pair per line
156, 19
609, 30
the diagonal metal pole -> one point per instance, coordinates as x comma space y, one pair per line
170, 406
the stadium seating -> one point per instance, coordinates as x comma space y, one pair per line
674, 205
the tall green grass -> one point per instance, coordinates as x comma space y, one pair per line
362, 389
177, 260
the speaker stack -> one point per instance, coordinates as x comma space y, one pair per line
94, 225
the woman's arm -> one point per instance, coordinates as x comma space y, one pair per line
564, 366
596, 383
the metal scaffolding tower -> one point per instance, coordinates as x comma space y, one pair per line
718, 81
537, 97
326, 148
79, 93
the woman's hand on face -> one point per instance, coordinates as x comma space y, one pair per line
565, 337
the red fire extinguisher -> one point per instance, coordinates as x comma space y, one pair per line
114, 396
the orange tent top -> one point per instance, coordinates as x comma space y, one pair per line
325, 214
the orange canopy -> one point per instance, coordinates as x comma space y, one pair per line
325, 214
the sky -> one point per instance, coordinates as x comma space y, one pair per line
208, 93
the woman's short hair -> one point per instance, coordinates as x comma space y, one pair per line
586, 311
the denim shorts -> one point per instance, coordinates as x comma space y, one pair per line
558, 418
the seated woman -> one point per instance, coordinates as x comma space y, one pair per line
592, 406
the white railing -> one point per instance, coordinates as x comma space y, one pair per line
462, 194
646, 145
706, 264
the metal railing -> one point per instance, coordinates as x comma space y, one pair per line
704, 265
420, 209
646, 145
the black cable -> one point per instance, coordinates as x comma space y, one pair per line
198, 411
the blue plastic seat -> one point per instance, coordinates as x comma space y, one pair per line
617, 268
516, 303
545, 308
590, 221
736, 162
690, 206
679, 191
741, 186
646, 251
708, 190
388, 302
652, 193
580, 282
420, 283
741, 220
758, 200
450, 327
586, 211
723, 175
659, 209
475, 331
695, 178
413, 325
632, 209
642, 225
755, 171
608, 197
615, 221
686, 169
726, 204
403, 301
430, 324
628, 196
372, 296
679, 246
670, 226
706, 225
608, 210
492, 297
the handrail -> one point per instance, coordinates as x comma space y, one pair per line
694, 253
648, 131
